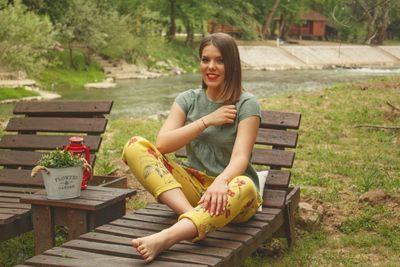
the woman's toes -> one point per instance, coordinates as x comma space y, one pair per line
148, 259
135, 243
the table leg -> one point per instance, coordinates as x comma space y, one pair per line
77, 223
43, 223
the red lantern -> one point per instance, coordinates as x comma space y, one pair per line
78, 149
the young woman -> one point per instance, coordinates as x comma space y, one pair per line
218, 125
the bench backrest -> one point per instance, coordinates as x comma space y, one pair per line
45, 126
278, 132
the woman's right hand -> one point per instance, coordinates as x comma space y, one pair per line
223, 115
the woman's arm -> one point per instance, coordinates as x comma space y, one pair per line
215, 197
174, 134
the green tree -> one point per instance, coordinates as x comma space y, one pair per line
194, 14
237, 13
25, 38
96, 26
55, 9
377, 16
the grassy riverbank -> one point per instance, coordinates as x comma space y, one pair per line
65, 74
337, 160
15, 93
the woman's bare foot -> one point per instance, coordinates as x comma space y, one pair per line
150, 246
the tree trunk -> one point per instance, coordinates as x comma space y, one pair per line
371, 15
172, 26
282, 28
189, 34
384, 23
377, 16
71, 57
268, 19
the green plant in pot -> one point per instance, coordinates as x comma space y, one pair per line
62, 174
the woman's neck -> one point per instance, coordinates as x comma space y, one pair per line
212, 94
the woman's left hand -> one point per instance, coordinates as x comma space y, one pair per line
215, 198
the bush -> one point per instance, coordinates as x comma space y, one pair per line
25, 39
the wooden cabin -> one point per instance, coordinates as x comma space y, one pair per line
313, 27
213, 27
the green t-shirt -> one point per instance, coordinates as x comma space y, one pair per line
211, 150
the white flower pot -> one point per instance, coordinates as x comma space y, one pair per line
62, 183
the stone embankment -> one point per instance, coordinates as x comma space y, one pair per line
123, 71
318, 57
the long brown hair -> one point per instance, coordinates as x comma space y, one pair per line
232, 89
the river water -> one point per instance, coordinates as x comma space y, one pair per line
148, 97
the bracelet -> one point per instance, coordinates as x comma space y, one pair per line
205, 125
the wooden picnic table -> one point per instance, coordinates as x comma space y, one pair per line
95, 206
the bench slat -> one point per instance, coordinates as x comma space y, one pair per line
277, 138
45, 142
128, 251
133, 233
194, 248
78, 254
268, 157
17, 189
277, 179
274, 198
20, 177
69, 253
14, 205
147, 218
13, 158
16, 173
71, 108
70, 125
6, 218
13, 214
95, 260
280, 120
272, 157
4, 199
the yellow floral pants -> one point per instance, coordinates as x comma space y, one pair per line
158, 174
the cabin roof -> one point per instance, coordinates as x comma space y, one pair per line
314, 16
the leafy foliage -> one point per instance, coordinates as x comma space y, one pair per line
59, 159
26, 38
133, 29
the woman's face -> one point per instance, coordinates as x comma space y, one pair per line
212, 67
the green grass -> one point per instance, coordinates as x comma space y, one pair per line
336, 162
63, 75
135, 204
177, 53
15, 93
17, 250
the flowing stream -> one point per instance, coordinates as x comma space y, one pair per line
148, 97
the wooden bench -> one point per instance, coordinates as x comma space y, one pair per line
36, 128
110, 244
